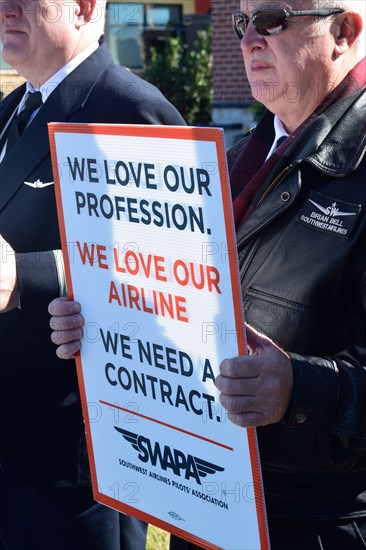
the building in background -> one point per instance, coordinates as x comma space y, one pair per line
232, 107
133, 27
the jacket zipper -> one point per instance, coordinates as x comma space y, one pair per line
274, 183
271, 186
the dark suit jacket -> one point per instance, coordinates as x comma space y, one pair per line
41, 428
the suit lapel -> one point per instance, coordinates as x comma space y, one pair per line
8, 108
9, 105
66, 100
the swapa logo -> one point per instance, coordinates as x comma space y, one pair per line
182, 465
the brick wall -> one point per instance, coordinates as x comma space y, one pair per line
230, 82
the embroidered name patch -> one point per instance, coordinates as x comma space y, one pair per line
329, 215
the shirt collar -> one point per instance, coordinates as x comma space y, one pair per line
279, 129
279, 132
49, 86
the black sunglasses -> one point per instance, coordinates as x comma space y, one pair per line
272, 21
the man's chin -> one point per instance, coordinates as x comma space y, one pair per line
13, 57
265, 92
12, 52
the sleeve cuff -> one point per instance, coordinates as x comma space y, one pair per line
315, 394
38, 284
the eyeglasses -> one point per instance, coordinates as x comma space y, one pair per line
272, 21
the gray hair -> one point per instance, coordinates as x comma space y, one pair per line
358, 6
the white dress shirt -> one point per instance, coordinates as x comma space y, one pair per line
280, 131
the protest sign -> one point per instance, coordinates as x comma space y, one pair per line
149, 247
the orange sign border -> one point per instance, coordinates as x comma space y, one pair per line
166, 132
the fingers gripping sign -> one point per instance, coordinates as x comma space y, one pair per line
256, 388
67, 325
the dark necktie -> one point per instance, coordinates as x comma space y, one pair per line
18, 124
279, 142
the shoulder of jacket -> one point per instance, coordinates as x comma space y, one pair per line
344, 149
14, 96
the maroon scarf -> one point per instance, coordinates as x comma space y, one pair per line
251, 169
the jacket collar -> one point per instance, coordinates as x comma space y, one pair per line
9, 104
340, 147
67, 99
334, 143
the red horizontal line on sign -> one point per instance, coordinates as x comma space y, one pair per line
167, 425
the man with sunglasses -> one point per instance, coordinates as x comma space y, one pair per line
301, 231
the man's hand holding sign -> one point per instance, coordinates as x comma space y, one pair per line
255, 388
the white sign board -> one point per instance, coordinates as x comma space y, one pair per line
149, 247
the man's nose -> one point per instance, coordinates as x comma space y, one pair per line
252, 39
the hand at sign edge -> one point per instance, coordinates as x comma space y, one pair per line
256, 389
67, 325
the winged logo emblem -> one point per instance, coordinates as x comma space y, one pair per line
38, 184
332, 210
181, 464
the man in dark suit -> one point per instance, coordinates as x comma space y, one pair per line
45, 496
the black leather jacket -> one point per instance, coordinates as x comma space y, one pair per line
302, 256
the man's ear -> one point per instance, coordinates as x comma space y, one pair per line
85, 11
349, 30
